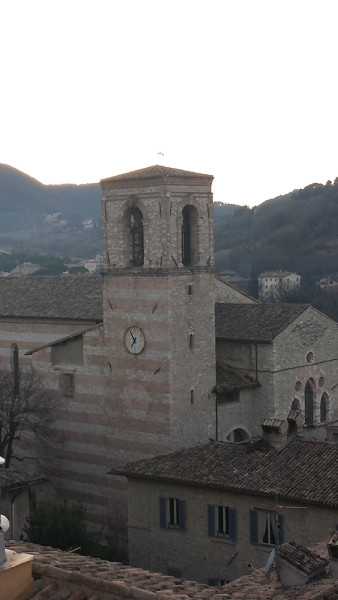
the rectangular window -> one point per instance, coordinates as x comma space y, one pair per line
265, 527
222, 522
223, 397
172, 513
67, 384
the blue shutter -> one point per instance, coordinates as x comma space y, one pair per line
233, 524
181, 513
254, 526
280, 520
163, 513
211, 520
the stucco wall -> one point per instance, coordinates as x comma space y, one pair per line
198, 556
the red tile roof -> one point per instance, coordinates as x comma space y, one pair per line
252, 467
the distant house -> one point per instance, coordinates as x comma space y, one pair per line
207, 512
271, 284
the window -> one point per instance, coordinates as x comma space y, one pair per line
323, 407
172, 513
265, 526
136, 238
67, 384
309, 402
189, 235
217, 582
223, 397
222, 522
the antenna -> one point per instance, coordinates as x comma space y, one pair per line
269, 564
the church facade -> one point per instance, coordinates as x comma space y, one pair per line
142, 362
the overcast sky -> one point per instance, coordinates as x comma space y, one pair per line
245, 90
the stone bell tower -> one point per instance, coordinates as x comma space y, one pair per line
159, 321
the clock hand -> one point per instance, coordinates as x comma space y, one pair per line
134, 338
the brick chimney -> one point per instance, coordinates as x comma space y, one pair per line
275, 432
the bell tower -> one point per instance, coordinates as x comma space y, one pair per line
159, 314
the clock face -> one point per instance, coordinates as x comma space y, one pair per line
134, 339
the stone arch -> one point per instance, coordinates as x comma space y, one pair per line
295, 404
309, 401
324, 407
190, 235
238, 434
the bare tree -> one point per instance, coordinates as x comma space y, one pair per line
26, 410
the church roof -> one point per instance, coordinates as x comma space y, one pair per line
154, 172
255, 322
73, 297
251, 467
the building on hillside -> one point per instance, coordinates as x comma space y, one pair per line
133, 356
208, 512
273, 284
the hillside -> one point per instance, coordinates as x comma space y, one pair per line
296, 232
48, 218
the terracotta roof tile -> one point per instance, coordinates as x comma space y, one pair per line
154, 171
255, 322
12, 479
108, 581
250, 467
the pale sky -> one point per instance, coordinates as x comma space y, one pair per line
245, 90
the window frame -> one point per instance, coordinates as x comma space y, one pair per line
255, 537
172, 513
229, 522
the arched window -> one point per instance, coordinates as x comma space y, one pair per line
136, 238
323, 407
295, 404
237, 435
189, 235
309, 401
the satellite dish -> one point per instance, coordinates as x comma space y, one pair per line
2, 460
269, 564
4, 524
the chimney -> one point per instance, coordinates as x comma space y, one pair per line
275, 432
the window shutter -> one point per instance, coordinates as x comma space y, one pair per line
181, 512
254, 526
280, 519
163, 511
211, 520
233, 524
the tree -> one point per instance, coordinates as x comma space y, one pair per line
26, 409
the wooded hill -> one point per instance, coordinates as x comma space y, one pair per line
27, 223
296, 232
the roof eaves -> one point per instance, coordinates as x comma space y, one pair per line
64, 339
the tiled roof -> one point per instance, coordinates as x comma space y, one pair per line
153, 172
302, 558
68, 576
65, 297
255, 322
276, 274
250, 468
10, 479
228, 380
